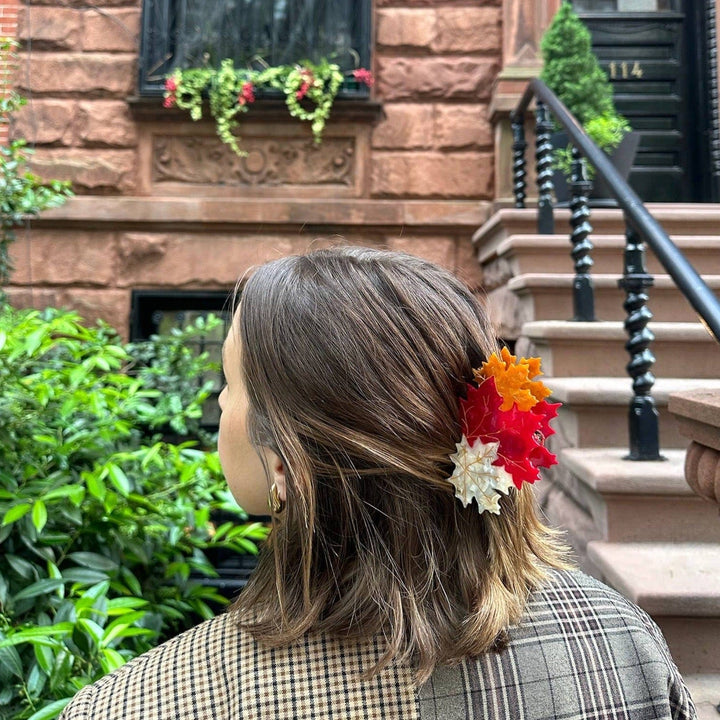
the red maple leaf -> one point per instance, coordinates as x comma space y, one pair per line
520, 433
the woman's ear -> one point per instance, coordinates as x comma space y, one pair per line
277, 472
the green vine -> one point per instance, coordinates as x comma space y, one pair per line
309, 89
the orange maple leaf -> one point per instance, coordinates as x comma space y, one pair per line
513, 379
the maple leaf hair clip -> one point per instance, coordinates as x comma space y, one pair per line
505, 420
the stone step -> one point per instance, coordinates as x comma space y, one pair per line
678, 584
569, 349
596, 494
595, 410
675, 218
705, 691
520, 254
548, 296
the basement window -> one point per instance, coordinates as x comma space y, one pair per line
158, 312
254, 33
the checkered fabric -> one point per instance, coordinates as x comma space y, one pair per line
582, 652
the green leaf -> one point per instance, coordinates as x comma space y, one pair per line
121, 605
21, 566
93, 560
117, 626
41, 587
85, 576
74, 492
95, 486
15, 513
3, 339
119, 479
39, 515
45, 658
111, 660
37, 634
52, 710
92, 629
34, 339
10, 659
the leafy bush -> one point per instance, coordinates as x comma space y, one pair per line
170, 364
571, 71
101, 524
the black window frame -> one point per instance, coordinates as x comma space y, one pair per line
144, 320
158, 42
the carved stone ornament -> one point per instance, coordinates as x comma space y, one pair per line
269, 162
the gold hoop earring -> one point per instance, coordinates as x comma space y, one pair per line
274, 502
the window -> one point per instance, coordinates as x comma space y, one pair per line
624, 5
157, 312
192, 33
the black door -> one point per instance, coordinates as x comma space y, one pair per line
655, 54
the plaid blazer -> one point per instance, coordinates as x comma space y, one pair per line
581, 652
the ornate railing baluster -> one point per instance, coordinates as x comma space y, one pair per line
644, 427
518, 164
543, 159
583, 291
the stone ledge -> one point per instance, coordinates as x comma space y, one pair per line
679, 579
700, 407
676, 218
188, 212
611, 330
618, 391
528, 281
150, 109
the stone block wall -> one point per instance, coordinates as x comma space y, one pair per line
8, 29
418, 177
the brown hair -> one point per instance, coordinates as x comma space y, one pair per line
354, 360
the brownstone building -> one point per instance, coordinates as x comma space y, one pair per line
166, 218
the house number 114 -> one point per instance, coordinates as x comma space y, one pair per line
623, 70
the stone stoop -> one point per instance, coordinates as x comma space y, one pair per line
595, 410
572, 349
705, 691
594, 494
678, 219
636, 525
532, 253
678, 584
549, 296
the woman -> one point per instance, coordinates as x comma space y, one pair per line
407, 574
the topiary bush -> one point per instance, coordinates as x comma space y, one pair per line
101, 522
571, 70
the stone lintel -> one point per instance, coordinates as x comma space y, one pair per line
188, 213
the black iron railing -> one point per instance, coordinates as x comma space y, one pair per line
641, 228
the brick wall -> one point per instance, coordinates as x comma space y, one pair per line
8, 29
78, 69
426, 167
436, 63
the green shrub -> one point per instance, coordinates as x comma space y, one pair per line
101, 525
571, 71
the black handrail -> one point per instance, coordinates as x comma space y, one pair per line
641, 227
680, 270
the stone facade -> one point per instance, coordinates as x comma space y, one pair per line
162, 204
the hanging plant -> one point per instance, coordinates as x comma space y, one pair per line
309, 89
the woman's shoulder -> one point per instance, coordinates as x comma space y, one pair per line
218, 670
583, 645
573, 600
187, 676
